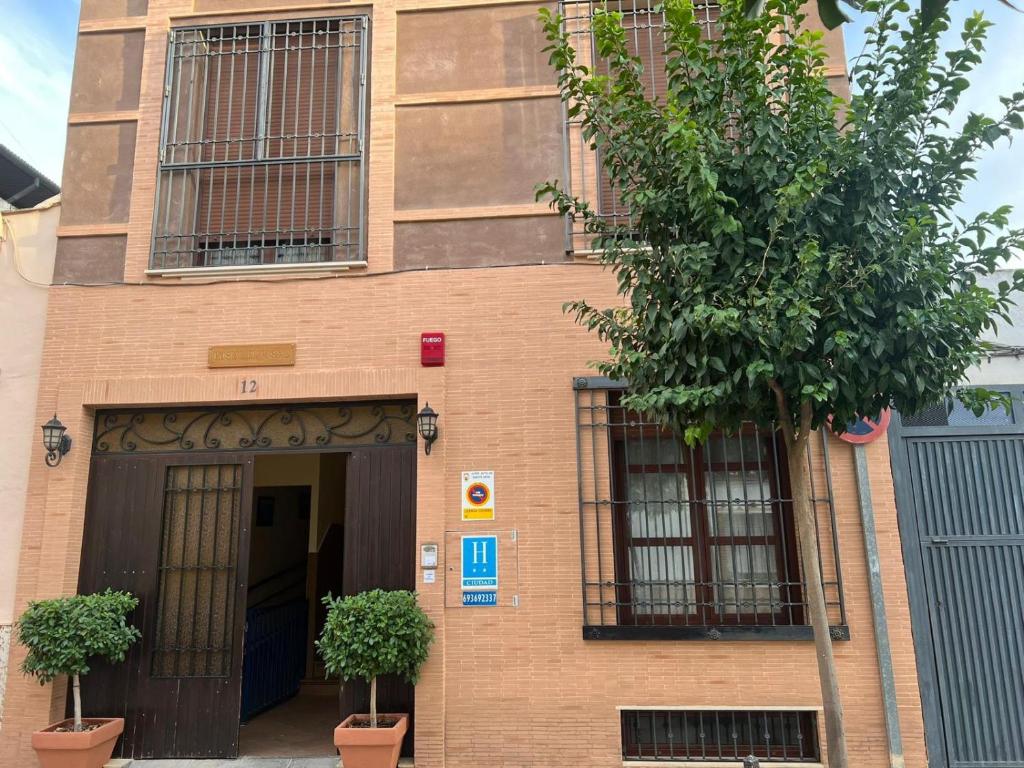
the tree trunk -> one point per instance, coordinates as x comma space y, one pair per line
803, 512
373, 702
76, 691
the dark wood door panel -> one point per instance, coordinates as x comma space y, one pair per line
170, 711
380, 552
120, 550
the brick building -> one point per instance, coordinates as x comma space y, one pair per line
265, 204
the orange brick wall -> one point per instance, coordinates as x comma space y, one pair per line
504, 686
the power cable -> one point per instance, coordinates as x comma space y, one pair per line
7, 233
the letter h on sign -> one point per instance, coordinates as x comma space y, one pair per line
479, 562
479, 553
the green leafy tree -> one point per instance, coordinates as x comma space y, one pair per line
65, 634
783, 266
372, 634
832, 14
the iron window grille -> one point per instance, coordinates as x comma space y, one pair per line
680, 542
720, 735
262, 151
644, 24
198, 563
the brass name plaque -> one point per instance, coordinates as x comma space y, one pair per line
251, 355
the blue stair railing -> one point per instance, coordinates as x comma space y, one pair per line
275, 655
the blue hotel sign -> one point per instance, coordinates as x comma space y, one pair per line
479, 564
481, 597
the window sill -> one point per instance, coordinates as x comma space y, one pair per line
715, 764
258, 269
695, 632
592, 255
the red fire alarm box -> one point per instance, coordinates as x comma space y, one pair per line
431, 348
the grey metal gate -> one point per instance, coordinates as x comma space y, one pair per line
960, 500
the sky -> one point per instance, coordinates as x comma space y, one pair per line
1000, 170
37, 52
37, 39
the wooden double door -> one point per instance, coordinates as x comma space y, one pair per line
174, 530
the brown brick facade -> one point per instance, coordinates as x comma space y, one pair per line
512, 687
504, 687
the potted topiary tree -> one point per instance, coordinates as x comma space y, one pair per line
62, 636
367, 635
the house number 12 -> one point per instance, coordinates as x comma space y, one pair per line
248, 386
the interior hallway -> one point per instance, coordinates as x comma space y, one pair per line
301, 727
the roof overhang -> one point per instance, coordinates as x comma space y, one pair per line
21, 185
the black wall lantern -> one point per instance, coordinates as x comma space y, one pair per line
55, 441
426, 425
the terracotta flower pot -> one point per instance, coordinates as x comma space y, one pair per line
370, 747
86, 749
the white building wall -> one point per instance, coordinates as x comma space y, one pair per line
1003, 368
28, 241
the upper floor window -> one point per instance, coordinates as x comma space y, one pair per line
643, 22
262, 146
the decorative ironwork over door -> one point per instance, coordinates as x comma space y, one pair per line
273, 428
960, 498
173, 530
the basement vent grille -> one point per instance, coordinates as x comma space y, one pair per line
720, 735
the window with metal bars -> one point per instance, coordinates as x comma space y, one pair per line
262, 146
701, 534
693, 542
644, 24
720, 735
